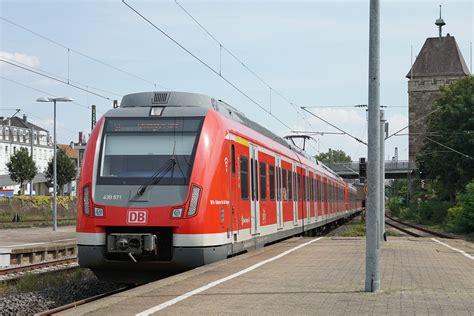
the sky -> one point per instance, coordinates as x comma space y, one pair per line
313, 53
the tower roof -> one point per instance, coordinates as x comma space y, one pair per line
439, 56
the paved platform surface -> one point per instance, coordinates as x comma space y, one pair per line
19, 237
325, 277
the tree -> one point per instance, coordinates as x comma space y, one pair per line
333, 156
66, 170
449, 130
21, 167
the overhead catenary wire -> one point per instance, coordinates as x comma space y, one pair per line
241, 62
47, 122
45, 92
67, 80
447, 147
205, 64
55, 79
339, 129
417, 120
82, 54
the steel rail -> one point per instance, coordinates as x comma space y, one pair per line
437, 234
37, 266
81, 302
406, 231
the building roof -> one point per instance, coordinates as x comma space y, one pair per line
21, 123
72, 153
439, 56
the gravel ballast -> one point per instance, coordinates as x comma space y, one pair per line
70, 290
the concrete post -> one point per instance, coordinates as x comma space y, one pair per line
32, 131
382, 175
372, 264
55, 176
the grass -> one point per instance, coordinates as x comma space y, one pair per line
354, 230
44, 223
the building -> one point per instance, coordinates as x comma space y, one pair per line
16, 133
439, 63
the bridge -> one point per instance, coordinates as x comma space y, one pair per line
393, 169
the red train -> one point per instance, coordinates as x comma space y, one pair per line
172, 181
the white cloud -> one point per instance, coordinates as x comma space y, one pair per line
28, 60
397, 122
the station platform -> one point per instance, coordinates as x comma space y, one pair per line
312, 276
22, 246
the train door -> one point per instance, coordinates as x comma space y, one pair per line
325, 198
307, 195
295, 196
254, 205
279, 206
234, 193
315, 197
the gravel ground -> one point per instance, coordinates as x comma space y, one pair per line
29, 303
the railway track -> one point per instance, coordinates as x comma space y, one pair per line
82, 302
11, 274
413, 230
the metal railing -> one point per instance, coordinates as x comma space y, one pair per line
400, 166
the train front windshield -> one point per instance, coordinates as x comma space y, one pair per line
159, 151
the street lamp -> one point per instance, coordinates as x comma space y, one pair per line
54, 100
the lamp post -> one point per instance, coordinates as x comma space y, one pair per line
54, 100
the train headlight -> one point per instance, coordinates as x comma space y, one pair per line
177, 212
194, 201
86, 200
98, 211
156, 111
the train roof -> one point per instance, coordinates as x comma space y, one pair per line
202, 103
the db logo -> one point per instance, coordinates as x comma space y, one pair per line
137, 216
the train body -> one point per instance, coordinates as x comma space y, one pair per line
173, 180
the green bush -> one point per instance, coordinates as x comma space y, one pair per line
395, 205
461, 217
430, 212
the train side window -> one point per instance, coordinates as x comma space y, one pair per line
271, 173
244, 178
308, 189
232, 158
300, 194
315, 190
290, 186
263, 181
285, 185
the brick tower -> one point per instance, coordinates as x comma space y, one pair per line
439, 63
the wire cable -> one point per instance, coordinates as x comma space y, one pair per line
417, 120
47, 93
81, 54
447, 147
61, 77
205, 64
55, 79
222, 46
339, 129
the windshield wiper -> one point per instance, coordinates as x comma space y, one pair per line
158, 175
